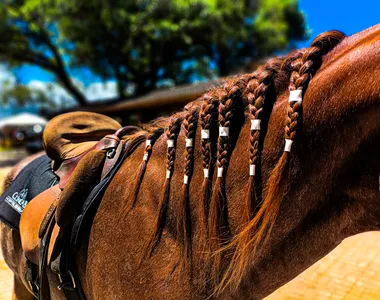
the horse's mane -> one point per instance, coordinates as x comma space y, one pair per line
251, 96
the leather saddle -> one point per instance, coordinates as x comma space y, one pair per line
84, 147
69, 137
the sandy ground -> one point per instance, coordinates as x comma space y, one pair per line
5, 281
350, 272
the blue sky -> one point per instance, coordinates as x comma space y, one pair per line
345, 15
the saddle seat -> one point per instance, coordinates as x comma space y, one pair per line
68, 137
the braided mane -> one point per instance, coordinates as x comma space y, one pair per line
226, 109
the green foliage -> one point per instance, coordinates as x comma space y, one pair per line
145, 42
22, 95
277, 22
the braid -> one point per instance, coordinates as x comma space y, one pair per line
247, 241
218, 207
303, 69
151, 139
256, 93
159, 224
208, 116
184, 217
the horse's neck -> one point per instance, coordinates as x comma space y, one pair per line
334, 183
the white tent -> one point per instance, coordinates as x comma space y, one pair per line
24, 119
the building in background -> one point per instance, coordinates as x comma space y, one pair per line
23, 129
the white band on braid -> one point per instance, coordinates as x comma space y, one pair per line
168, 174
220, 172
205, 173
146, 155
148, 143
189, 142
252, 170
185, 179
255, 124
295, 96
205, 133
170, 143
224, 131
288, 145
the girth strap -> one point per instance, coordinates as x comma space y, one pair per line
64, 265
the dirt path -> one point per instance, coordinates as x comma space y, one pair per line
350, 272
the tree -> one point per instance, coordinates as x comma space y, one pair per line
22, 95
144, 43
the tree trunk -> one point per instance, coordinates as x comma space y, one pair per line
73, 90
60, 70
222, 62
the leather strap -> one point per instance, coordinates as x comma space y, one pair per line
68, 275
111, 159
31, 276
44, 291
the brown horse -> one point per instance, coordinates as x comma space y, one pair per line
222, 205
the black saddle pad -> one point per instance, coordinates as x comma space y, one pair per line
35, 178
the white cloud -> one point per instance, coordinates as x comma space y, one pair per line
101, 90
93, 92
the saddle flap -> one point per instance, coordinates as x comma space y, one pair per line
86, 173
32, 223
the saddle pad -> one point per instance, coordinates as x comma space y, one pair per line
35, 178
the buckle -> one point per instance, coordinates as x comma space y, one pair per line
64, 284
33, 287
111, 153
